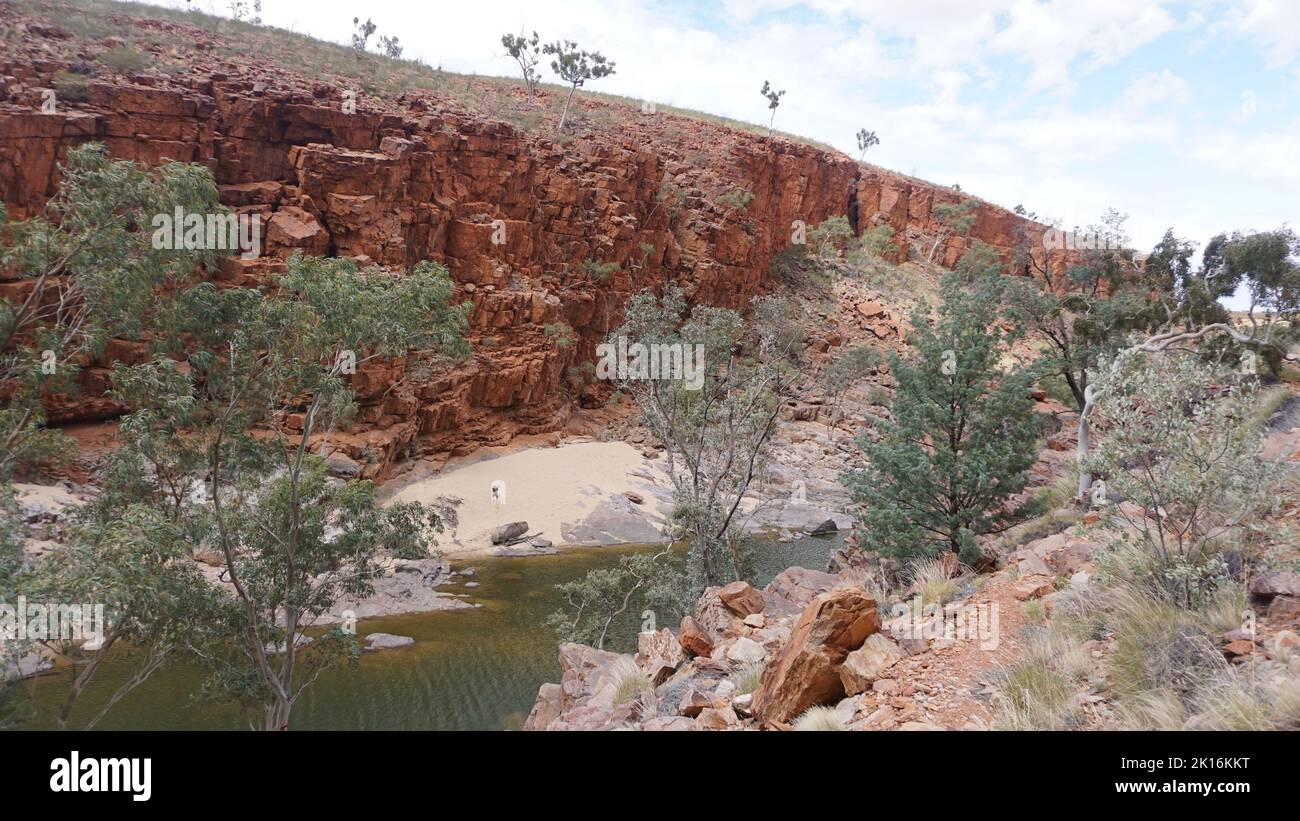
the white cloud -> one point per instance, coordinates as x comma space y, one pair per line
1273, 23
1052, 36
1151, 90
1267, 158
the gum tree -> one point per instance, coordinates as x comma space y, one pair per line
773, 98
525, 52
1183, 314
361, 33
866, 139
575, 67
716, 434
90, 274
951, 219
1078, 311
268, 374
224, 441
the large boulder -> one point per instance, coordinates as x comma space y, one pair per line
799, 585
547, 708
712, 613
693, 638
583, 700
509, 532
864, 665
1281, 583
658, 654
806, 670
741, 598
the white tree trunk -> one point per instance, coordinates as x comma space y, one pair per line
1084, 444
565, 115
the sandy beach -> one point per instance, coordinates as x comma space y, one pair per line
571, 495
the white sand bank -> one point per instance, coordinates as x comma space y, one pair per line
572, 494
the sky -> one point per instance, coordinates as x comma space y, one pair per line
1183, 114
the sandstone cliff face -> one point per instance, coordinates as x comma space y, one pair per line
419, 177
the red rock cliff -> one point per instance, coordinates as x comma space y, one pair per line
420, 177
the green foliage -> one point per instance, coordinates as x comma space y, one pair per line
599, 270
205, 456
526, 53
866, 139
670, 196
576, 67
390, 46
717, 429
962, 439
1178, 446
779, 319
877, 242
737, 199
979, 263
830, 235
952, 219
559, 333
773, 98
93, 230
595, 603
361, 33
1084, 311
959, 217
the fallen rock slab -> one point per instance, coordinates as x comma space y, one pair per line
509, 532
693, 638
806, 670
741, 598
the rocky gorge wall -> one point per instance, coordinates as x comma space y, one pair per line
402, 180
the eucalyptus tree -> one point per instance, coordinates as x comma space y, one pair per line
575, 67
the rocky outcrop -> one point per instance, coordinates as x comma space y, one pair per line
807, 670
802, 652
513, 215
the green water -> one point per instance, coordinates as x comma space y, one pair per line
470, 669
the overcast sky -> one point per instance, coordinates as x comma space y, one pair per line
1182, 114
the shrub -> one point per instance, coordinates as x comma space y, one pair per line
1180, 448
747, 677
559, 333
818, 719
71, 88
124, 59
830, 235
957, 452
599, 270
930, 580
1034, 696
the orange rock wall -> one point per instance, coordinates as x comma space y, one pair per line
413, 182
